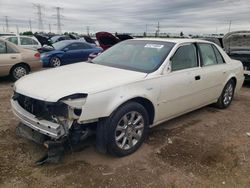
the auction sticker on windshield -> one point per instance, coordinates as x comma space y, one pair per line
158, 46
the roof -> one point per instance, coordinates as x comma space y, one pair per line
173, 40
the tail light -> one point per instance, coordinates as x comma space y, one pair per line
37, 55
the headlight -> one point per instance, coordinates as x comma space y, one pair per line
75, 100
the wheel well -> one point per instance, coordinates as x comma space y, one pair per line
22, 63
148, 105
234, 80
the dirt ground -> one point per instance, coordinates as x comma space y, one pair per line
205, 148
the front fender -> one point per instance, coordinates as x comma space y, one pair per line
102, 104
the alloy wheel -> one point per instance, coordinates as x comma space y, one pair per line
129, 130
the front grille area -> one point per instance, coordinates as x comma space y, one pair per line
41, 109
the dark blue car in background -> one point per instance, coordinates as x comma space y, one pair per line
68, 51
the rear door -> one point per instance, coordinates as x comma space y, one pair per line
213, 70
8, 58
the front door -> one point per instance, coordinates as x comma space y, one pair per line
180, 89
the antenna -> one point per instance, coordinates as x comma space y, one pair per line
39, 15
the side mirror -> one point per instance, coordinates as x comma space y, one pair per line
168, 68
66, 49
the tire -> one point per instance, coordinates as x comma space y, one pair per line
227, 95
124, 131
19, 71
55, 62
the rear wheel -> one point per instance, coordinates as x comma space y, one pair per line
227, 95
19, 71
123, 132
55, 62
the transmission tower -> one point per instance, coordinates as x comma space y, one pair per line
58, 17
39, 16
6, 24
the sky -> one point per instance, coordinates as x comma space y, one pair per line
129, 16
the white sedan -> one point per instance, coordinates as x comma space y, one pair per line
126, 90
24, 41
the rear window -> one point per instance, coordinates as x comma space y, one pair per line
26, 41
207, 54
13, 40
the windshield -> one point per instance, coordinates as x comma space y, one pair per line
138, 55
60, 45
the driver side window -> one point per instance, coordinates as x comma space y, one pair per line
184, 58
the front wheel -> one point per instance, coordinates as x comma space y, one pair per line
125, 130
55, 62
227, 95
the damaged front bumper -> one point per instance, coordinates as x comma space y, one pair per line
51, 129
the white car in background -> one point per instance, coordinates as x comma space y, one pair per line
127, 89
24, 41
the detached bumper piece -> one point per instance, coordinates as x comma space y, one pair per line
55, 152
55, 149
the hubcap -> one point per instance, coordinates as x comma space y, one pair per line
129, 130
19, 72
228, 95
56, 62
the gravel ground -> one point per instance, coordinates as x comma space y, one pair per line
206, 148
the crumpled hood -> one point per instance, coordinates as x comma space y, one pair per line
53, 84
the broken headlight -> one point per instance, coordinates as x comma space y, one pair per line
75, 103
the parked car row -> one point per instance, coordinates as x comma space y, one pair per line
68, 51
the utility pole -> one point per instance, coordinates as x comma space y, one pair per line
158, 29
39, 15
6, 24
30, 25
88, 28
230, 23
58, 17
17, 29
49, 28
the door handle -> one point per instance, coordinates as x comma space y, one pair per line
197, 77
13, 57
